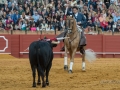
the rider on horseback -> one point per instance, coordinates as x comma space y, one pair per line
80, 19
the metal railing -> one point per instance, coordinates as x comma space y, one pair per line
51, 32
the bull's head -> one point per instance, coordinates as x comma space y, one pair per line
53, 43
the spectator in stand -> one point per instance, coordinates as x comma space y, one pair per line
1, 27
44, 26
13, 7
116, 17
62, 24
16, 17
109, 28
20, 10
107, 3
8, 27
110, 21
101, 18
36, 17
33, 10
9, 21
117, 29
73, 3
24, 25
56, 25
15, 2
104, 25
80, 4
56, 16
33, 27
21, 2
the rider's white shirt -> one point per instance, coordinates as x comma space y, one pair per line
76, 15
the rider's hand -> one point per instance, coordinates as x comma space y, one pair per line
78, 23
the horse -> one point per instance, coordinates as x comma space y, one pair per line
72, 45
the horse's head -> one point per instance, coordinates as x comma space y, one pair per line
70, 24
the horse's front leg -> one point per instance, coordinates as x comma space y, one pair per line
65, 59
83, 58
72, 55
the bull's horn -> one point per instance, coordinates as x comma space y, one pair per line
53, 42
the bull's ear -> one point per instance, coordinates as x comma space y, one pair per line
55, 42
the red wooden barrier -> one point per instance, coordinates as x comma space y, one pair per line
104, 45
5, 44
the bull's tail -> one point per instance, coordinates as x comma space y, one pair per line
90, 55
40, 70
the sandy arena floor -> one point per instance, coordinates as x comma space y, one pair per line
103, 74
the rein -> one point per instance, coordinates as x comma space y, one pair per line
74, 37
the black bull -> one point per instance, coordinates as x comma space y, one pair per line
40, 57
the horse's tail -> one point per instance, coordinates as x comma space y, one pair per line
90, 55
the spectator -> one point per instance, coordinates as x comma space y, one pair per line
9, 21
56, 25
15, 2
116, 17
104, 25
1, 12
109, 28
101, 18
16, 17
36, 17
8, 27
27, 11
56, 16
21, 2
13, 7
97, 25
44, 26
20, 10
1, 27
62, 24
107, 3
73, 3
117, 29
80, 4
24, 25
33, 27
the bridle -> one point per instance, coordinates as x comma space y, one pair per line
69, 30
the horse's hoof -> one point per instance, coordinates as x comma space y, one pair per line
70, 71
34, 85
39, 83
83, 69
47, 83
65, 67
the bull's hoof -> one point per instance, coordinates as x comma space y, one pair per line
47, 83
70, 71
39, 83
34, 85
66, 67
43, 85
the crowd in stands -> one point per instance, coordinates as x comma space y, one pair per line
49, 15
